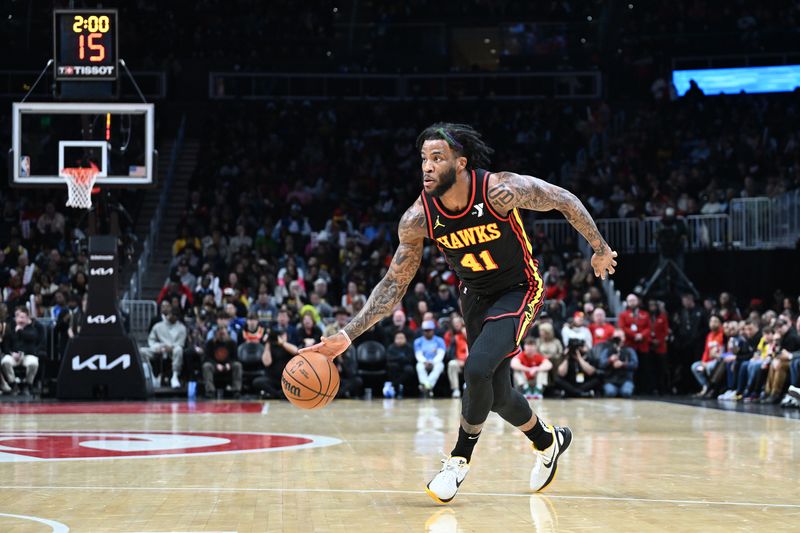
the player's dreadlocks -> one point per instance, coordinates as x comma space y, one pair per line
461, 138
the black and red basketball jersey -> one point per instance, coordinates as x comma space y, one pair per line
488, 252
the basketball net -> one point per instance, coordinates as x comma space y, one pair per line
80, 182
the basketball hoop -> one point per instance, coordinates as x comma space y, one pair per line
80, 182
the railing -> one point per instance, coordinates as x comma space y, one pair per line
151, 241
15, 83
752, 224
785, 219
469, 86
139, 313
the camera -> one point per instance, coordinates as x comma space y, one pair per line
575, 344
272, 337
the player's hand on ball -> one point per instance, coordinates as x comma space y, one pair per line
604, 263
329, 346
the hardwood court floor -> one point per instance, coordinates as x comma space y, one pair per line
633, 466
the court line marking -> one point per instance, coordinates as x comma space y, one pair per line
57, 527
723, 410
409, 492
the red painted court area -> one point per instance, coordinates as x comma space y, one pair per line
130, 408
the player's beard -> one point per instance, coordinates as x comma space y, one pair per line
446, 181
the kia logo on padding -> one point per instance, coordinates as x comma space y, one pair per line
101, 319
101, 271
100, 362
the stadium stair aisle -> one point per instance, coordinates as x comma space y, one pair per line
159, 268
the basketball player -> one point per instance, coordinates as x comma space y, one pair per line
472, 216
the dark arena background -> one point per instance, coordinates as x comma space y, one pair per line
197, 190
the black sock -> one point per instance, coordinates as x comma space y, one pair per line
465, 444
539, 435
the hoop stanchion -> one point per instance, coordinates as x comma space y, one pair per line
80, 182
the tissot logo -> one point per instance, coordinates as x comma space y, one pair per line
101, 319
100, 362
101, 271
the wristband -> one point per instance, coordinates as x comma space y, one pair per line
346, 336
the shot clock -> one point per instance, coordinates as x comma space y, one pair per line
85, 44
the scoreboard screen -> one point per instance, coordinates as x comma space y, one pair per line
85, 44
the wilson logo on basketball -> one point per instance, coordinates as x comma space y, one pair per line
288, 387
24, 446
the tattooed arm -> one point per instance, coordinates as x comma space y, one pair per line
507, 190
390, 290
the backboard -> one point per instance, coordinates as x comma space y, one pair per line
116, 137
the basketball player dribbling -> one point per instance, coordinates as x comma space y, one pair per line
472, 215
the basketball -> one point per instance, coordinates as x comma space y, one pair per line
310, 380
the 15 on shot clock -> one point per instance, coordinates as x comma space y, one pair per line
85, 44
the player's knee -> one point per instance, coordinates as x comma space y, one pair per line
476, 373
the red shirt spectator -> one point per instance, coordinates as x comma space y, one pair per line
460, 338
601, 330
533, 360
714, 339
176, 288
635, 323
659, 328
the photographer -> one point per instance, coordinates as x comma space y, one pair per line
576, 371
618, 362
277, 352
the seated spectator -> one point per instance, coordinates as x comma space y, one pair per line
166, 307
456, 341
400, 361
174, 288
320, 306
398, 323
240, 240
793, 396
759, 362
429, 352
224, 322
221, 358
341, 319
618, 363
277, 353
351, 296
703, 368
308, 333
576, 371
531, 370
548, 345
208, 286
601, 330
51, 224
254, 331
788, 344
23, 346
186, 278
741, 348
184, 240
576, 329
167, 339
264, 307
411, 300
444, 302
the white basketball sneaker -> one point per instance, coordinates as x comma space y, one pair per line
444, 485
546, 465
